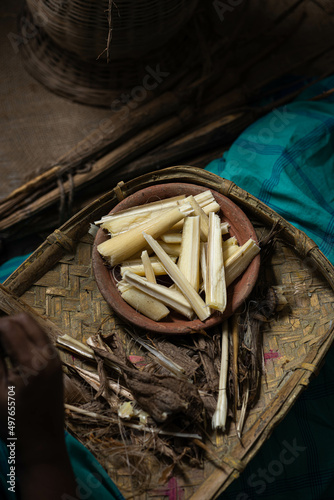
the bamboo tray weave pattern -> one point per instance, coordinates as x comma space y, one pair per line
57, 284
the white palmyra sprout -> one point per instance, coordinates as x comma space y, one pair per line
171, 298
148, 268
215, 286
179, 279
124, 245
125, 220
204, 219
145, 304
219, 416
136, 266
186, 235
240, 260
188, 262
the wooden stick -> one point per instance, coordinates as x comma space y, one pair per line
112, 161
220, 132
109, 134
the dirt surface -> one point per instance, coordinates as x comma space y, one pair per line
36, 125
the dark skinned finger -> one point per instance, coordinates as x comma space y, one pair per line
16, 344
3, 363
33, 331
37, 336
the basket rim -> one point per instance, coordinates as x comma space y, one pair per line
66, 236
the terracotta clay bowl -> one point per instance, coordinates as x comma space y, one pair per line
174, 323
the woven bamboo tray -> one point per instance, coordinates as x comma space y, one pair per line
57, 285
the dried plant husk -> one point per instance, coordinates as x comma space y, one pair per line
159, 395
162, 396
131, 450
180, 354
209, 401
74, 391
175, 405
261, 307
208, 350
126, 457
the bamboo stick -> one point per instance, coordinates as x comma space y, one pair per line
220, 133
114, 131
191, 144
112, 161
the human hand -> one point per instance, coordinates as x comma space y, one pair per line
34, 372
30, 372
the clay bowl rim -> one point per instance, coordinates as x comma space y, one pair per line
174, 324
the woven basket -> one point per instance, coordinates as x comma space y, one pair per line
96, 82
56, 283
82, 26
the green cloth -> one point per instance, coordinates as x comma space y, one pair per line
92, 480
93, 483
10, 266
286, 159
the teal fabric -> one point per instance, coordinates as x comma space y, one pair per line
93, 483
9, 267
286, 159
